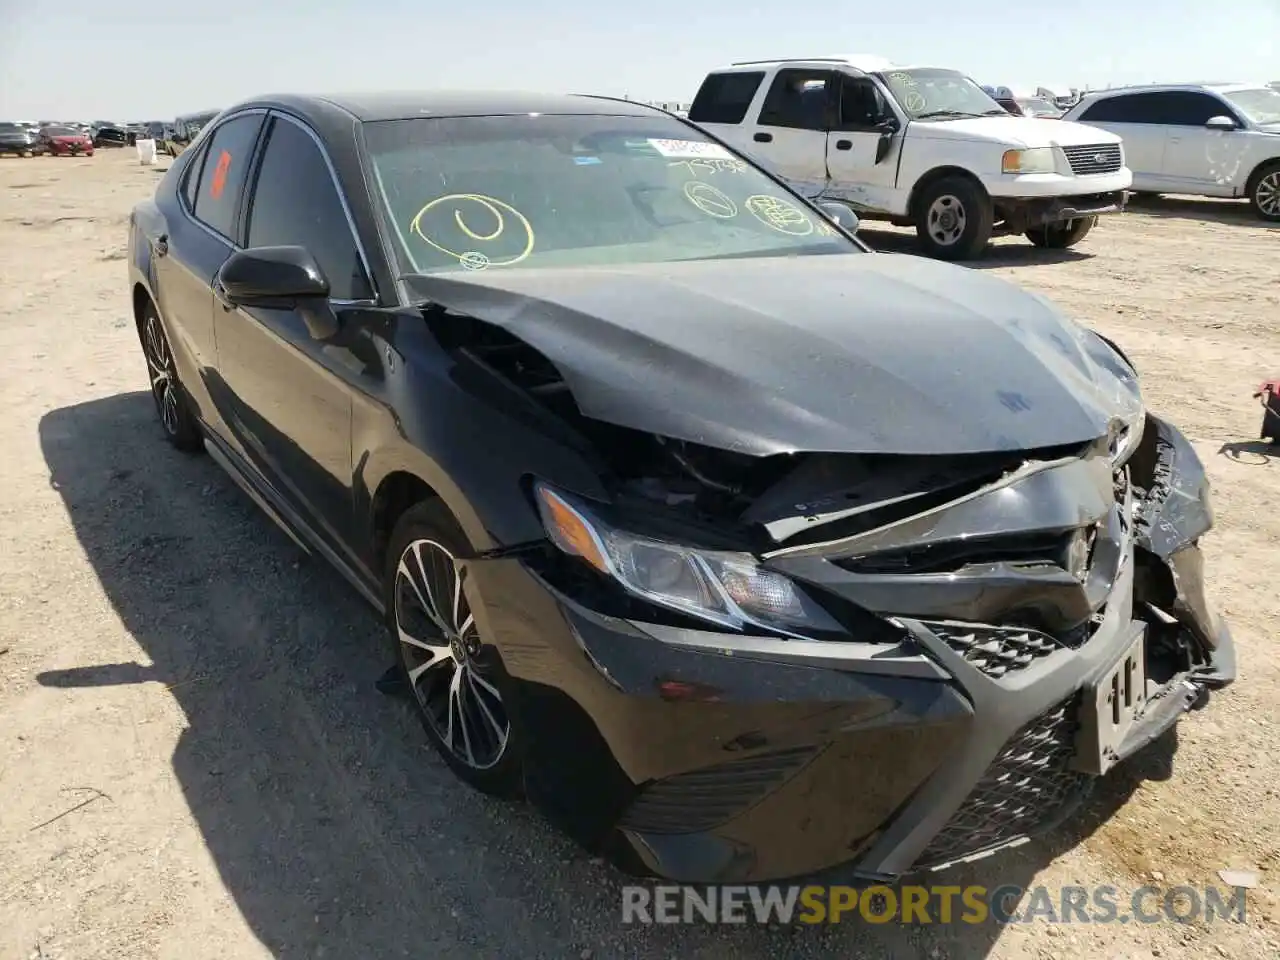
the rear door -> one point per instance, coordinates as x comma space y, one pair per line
1138, 119
790, 132
198, 242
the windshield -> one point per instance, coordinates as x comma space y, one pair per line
1036, 107
928, 93
1259, 105
563, 190
61, 132
11, 128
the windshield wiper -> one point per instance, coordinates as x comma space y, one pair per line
949, 114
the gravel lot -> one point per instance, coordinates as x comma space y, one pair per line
200, 697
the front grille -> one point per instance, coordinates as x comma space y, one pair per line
996, 651
1029, 788
702, 799
1094, 158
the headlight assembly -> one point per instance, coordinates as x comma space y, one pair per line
725, 588
1032, 160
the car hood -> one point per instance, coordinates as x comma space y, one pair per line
859, 353
1015, 131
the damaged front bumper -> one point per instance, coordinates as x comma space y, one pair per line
703, 755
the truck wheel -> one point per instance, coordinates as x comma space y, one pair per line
1059, 236
954, 217
1264, 192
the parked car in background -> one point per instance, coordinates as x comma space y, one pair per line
16, 140
1213, 140
185, 129
917, 146
740, 550
63, 141
111, 137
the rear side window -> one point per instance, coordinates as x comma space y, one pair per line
295, 202
1134, 108
800, 99
225, 164
191, 184
725, 97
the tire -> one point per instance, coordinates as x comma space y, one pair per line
1264, 192
172, 406
1059, 236
460, 689
954, 219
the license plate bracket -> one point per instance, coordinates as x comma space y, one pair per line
1110, 707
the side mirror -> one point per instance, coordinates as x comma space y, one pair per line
1220, 123
271, 277
840, 215
278, 278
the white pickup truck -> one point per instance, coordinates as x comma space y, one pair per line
916, 146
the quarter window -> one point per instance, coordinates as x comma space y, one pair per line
191, 185
295, 202
225, 164
725, 97
799, 99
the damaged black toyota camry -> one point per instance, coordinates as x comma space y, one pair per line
740, 550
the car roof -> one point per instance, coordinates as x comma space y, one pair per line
368, 107
866, 62
1217, 87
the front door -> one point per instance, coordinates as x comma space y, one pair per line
293, 392
864, 119
1197, 159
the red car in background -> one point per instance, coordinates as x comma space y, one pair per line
65, 142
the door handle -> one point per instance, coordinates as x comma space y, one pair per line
844, 144
161, 246
763, 138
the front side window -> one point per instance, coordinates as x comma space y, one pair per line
862, 105
1181, 109
226, 163
489, 193
295, 203
1261, 105
929, 93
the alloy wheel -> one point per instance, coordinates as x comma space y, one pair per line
441, 650
946, 220
1267, 194
164, 383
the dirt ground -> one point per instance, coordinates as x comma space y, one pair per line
194, 763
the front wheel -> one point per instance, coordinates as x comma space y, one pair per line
954, 219
1059, 236
462, 692
180, 427
1264, 192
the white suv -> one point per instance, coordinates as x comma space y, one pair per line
917, 146
1214, 140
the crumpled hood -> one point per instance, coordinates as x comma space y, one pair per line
1015, 131
858, 353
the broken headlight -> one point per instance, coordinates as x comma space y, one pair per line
723, 587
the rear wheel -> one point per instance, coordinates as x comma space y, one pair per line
1059, 236
954, 217
461, 690
1264, 192
180, 427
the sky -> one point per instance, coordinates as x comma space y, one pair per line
86, 60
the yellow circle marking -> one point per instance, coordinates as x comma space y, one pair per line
492, 207
914, 101
710, 200
781, 215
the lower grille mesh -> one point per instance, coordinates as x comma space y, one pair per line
1027, 789
702, 799
996, 651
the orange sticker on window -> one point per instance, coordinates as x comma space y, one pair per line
220, 175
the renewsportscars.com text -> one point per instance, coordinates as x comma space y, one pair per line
930, 904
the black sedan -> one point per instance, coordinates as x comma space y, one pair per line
17, 140
740, 550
